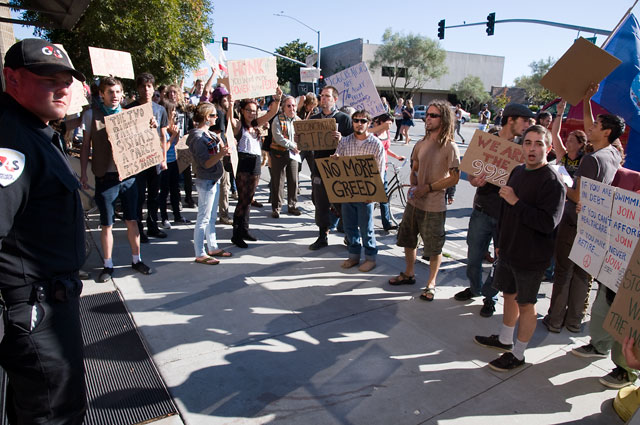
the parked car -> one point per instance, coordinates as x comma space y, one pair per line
466, 117
419, 112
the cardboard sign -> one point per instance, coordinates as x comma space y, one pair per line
183, 154
250, 78
591, 242
309, 75
584, 63
78, 98
356, 88
623, 318
316, 135
135, 145
107, 62
223, 82
493, 156
351, 179
210, 59
200, 74
233, 147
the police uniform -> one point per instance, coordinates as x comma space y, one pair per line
41, 251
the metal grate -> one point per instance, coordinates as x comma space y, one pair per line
123, 385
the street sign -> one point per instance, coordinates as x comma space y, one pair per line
309, 75
311, 59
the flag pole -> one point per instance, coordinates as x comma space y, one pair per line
619, 23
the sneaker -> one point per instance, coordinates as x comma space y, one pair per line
588, 351
574, 329
618, 378
225, 220
390, 228
492, 341
465, 295
626, 402
506, 362
166, 224
156, 233
141, 267
488, 309
275, 214
181, 220
294, 211
105, 275
237, 241
249, 237
319, 243
550, 327
257, 204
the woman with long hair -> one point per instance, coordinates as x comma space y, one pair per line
570, 153
407, 120
207, 150
249, 161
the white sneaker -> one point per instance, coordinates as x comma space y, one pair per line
166, 224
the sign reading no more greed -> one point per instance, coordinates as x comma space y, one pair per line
351, 179
316, 135
135, 145
250, 78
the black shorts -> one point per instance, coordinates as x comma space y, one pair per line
524, 283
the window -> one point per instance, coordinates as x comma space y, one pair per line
388, 71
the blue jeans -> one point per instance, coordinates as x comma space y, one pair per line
357, 219
385, 212
481, 229
208, 196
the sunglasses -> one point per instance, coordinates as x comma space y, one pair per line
432, 115
213, 115
360, 120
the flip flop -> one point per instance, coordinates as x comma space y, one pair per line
220, 253
402, 279
209, 261
428, 294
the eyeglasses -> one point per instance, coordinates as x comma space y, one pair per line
432, 115
213, 115
360, 120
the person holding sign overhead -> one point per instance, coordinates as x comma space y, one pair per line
108, 184
435, 161
246, 130
357, 217
328, 99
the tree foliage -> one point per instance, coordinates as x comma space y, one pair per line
289, 72
470, 92
163, 36
411, 60
536, 94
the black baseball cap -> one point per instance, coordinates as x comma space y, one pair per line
39, 56
517, 110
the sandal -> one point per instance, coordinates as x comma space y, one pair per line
428, 294
219, 253
209, 261
402, 279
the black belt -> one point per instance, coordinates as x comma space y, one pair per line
59, 289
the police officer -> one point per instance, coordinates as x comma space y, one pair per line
41, 241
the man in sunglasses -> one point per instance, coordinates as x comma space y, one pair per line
357, 217
484, 217
435, 161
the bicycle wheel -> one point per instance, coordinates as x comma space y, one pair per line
395, 203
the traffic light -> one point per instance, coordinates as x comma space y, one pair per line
225, 43
441, 30
491, 22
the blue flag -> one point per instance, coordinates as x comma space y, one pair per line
620, 92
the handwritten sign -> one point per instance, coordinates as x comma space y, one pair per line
233, 147
183, 154
252, 77
111, 62
200, 74
493, 156
78, 97
316, 135
356, 88
623, 237
623, 318
135, 145
309, 75
210, 59
351, 179
594, 221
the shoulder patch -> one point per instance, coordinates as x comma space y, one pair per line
11, 166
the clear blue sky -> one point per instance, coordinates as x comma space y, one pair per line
252, 22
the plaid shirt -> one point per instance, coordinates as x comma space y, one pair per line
350, 146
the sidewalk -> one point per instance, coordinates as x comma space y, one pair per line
282, 333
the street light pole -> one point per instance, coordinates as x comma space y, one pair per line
312, 29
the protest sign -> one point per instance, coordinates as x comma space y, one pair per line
252, 77
183, 154
309, 75
78, 98
356, 88
623, 318
111, 62
316, 135
223, 82
584, 63
351, 179
135, 145
492, 156
200, 74
210, 59
233, 147
623, 237
594, 221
